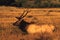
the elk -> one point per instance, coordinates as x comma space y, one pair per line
32, 27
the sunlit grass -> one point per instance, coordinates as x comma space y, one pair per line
10, 32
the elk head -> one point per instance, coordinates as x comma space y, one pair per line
20, 22
25, 12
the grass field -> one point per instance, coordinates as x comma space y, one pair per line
10, 32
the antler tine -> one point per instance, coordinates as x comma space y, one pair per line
26, 13
27, 10
21, 15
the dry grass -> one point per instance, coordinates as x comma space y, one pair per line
10, 32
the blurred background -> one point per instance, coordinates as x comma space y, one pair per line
31, 3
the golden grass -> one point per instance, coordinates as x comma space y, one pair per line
10, 32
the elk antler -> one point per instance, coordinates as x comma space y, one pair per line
21, 17
23, 14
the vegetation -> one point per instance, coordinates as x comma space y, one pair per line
30, 3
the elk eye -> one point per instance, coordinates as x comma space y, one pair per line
29, 16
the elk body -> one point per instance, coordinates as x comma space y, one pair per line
34, 28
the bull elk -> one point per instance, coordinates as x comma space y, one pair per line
32, 27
